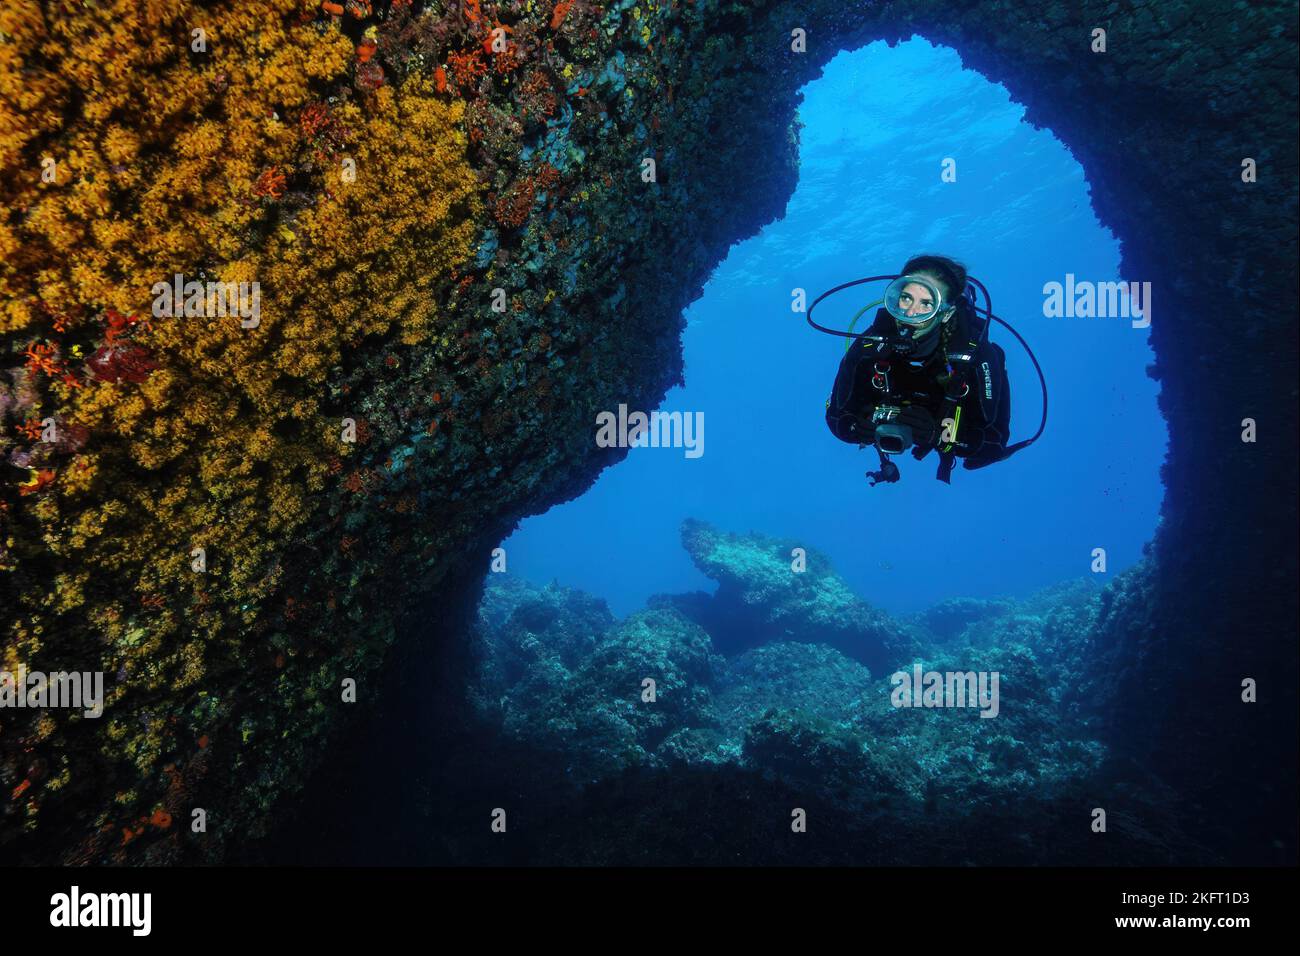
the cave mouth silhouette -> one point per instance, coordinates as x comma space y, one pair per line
870, 194
1161, 138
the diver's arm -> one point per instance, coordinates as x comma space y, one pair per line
849, 409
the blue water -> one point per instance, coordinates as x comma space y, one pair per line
878, 125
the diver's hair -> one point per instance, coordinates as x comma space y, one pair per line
948, 271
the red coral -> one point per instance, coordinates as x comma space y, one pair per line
507, 61
315, 119
370, 76
360, 481
537, 94
548, 177
43, 479
119, 325
44, 357
130, 833
121, 363
512, 209
561, 11
466, 68
271, 183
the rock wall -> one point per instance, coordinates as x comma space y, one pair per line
226, 163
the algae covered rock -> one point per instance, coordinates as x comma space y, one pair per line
776, 590
563, 678
949, 618
509, 175
839, 765
812, 679
530, 632
568, 682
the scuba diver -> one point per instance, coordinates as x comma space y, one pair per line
925, 376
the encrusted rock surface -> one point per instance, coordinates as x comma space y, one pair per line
329, 557
560, 688
760, 598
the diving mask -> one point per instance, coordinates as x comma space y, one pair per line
915, 301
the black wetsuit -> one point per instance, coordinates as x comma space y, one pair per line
983, 425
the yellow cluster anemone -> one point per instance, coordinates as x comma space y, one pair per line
228, 145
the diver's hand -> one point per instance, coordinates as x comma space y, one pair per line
851, 428
920, 421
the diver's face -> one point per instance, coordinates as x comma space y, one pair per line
916, 301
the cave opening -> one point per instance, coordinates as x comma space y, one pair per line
1137, 621
877, 131
1188, 138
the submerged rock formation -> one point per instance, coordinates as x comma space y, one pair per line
762, 598
463, 259
562, 686
551, 678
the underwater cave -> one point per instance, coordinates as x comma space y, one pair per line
468, 425
1144, 706
872, 129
